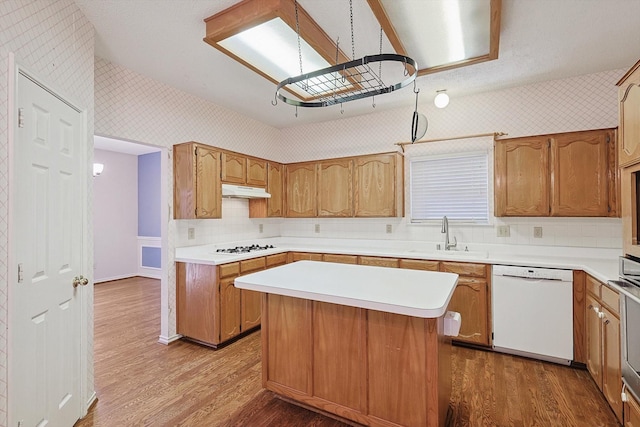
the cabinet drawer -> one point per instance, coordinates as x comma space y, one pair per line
343, 259
277, 259
419, 264
252, 264
465, 269
231, 269
379, 261
305, 256
593, 286
611, 299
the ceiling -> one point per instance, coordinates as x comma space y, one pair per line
539, 40
120, 146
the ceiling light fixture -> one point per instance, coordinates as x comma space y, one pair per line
442, 99
97, 169
347, 81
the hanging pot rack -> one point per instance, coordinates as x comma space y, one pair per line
346, 82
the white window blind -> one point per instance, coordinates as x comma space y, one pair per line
455, 185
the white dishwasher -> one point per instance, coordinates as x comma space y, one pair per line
533, 312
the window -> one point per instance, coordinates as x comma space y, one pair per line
455, 185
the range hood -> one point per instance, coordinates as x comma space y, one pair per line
242, 192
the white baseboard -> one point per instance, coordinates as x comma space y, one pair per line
109, 279
150, 273
90, 402
168, 340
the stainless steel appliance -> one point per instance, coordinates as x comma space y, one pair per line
533, 312
629, 287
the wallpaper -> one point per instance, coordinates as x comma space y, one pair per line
53, 40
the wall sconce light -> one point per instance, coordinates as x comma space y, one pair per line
97, 169
442, 99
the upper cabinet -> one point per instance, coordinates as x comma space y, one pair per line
335, 194
197, 190
256, 172
275, 186
301, 194
521, 178
629, 125
580, 174
234, 168
379, 185
568, 174
240, 169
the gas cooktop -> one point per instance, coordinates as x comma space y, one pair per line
244, 249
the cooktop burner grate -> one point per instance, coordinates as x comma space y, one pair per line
244, 249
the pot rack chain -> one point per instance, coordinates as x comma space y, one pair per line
343, 82
298, 32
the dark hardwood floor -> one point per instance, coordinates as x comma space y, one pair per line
143, 383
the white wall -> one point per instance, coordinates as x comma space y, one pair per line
115, 216
55, 41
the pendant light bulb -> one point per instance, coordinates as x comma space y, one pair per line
442, 99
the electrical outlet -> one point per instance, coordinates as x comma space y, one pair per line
317, 228
389, 228
537, 232
191, 233
503, 231
261, 228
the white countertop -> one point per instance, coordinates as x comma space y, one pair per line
416, 293
601, 264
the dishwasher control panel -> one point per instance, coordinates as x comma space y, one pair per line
533, 272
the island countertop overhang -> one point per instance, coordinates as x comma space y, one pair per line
417, 293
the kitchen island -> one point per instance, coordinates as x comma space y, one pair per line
361, 342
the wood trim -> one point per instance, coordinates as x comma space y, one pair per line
478, 135
250, 13
388, 28
494, 37
628, 73
579, 319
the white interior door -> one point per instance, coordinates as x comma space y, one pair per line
49, 178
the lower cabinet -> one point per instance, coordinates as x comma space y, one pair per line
631, 412
603, 341
211, 310
471, 300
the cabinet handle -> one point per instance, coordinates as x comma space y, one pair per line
606, 322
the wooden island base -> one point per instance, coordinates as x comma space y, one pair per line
372, 367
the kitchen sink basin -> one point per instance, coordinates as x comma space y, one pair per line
452, 254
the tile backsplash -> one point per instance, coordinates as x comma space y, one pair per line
236, 225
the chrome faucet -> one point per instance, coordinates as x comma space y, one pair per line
445, 229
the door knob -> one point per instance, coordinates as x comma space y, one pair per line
80, 280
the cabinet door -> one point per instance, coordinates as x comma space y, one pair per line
304, 256
229, 309
234, 168
594, 339
631, 412
375, 186
579, 173
301, 190
274, 187
195, 301
521, 181
208, 186
334, 188
629, 94
470, 299
251, 308
256, 172
611, 369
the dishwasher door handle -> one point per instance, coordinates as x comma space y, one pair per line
532, 278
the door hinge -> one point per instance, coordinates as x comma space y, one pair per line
195, 211
20, 273
548, 143
609, 208
20, 117
608, 139
196, 151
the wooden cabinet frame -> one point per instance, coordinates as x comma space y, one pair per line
565, 174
